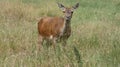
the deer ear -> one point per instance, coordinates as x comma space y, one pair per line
76, 6
61, 6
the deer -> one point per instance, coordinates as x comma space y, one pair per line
55, 29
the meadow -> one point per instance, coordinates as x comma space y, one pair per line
95, 39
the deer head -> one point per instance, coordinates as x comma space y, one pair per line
68, 12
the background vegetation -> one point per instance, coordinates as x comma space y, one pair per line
95, 39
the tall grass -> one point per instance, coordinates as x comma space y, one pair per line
95, 39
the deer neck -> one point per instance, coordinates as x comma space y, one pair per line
67, 22
67, 25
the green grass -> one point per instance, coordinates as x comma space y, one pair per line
95, 39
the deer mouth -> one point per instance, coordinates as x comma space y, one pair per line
68, 18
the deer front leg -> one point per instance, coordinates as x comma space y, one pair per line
64, 42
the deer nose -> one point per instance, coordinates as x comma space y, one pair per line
68, 17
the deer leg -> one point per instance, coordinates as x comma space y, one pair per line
64, 43
48, 42
54, 42
40, 42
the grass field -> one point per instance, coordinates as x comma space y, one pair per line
95, 39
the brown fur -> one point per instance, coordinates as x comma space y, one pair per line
50, 26
56, 28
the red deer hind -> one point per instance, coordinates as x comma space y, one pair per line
56, 28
